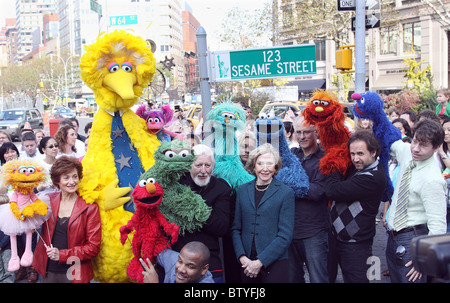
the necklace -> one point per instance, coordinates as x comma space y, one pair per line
263, 189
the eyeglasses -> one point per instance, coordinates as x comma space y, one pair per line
304, 132
53, 146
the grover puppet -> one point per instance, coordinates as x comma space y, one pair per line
371, 106
150, 226
271, 130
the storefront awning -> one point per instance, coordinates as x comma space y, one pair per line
308, 85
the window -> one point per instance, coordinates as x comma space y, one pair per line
412, 37
320, 50
388, 40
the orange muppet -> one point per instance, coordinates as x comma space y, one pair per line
326, 113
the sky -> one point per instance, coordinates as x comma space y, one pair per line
209, 13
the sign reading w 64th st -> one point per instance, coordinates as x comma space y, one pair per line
285, 61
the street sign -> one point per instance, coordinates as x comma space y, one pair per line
123, 20
372, 21
285, 61
350, 5
96, 7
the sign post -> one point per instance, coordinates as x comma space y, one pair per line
276, 62
360, 47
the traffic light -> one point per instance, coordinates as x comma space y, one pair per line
344, 59
41, 84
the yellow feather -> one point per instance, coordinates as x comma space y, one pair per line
99, 169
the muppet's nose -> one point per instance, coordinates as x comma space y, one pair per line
319, 109
356, 96
150, 187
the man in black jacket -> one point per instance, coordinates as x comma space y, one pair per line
310, 240
217, 194
356, 199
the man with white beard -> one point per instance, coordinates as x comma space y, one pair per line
218, 195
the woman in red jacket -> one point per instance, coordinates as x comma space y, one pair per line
72, 234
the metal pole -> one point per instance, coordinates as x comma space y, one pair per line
360, 47
205, 88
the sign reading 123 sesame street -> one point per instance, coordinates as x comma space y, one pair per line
285, 61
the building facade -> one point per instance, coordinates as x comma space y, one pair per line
414, 29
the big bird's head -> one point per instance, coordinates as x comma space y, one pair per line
117, 67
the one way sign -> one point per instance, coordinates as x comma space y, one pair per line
372, 21
350, 5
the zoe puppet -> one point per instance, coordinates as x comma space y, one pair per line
25, 211
156, 120
153, 233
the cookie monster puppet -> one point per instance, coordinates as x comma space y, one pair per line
371, 106
270, 129
223, 121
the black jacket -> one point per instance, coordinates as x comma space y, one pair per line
311, 211
356, 199
216, 194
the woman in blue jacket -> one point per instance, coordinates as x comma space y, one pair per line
264, 220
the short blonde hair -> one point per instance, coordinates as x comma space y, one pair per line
265, 148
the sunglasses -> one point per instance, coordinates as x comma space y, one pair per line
53, 146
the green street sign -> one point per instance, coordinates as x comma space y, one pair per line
123, 20
285, 61
96, 7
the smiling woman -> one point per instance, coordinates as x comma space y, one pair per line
61, 243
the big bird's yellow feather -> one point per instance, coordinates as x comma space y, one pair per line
99, 169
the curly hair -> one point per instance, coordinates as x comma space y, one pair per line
61, 137
63, 165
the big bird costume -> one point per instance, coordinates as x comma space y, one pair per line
117, 67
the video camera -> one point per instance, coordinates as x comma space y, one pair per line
431, 256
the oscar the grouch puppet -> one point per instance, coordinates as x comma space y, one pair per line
180, 205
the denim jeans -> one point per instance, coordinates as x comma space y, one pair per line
352, 258
313, 251
396, 265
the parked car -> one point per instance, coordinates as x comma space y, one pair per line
13, 120
63, 113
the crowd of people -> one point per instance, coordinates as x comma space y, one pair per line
261, 232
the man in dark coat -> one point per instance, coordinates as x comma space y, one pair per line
217, 194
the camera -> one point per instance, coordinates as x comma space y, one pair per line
431, 256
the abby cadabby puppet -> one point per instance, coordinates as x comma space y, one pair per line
25, 211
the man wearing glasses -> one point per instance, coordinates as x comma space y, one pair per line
310, 240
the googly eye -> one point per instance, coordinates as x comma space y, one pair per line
126, 66
262, 116
184, 153
170, 154
113, 67
316, 102
324, 102
271, 115
31, 169
22, 169
157, 120
228, 115
142, 183
150, 120
151, 180
362, 100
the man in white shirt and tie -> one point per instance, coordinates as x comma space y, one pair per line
418, 204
